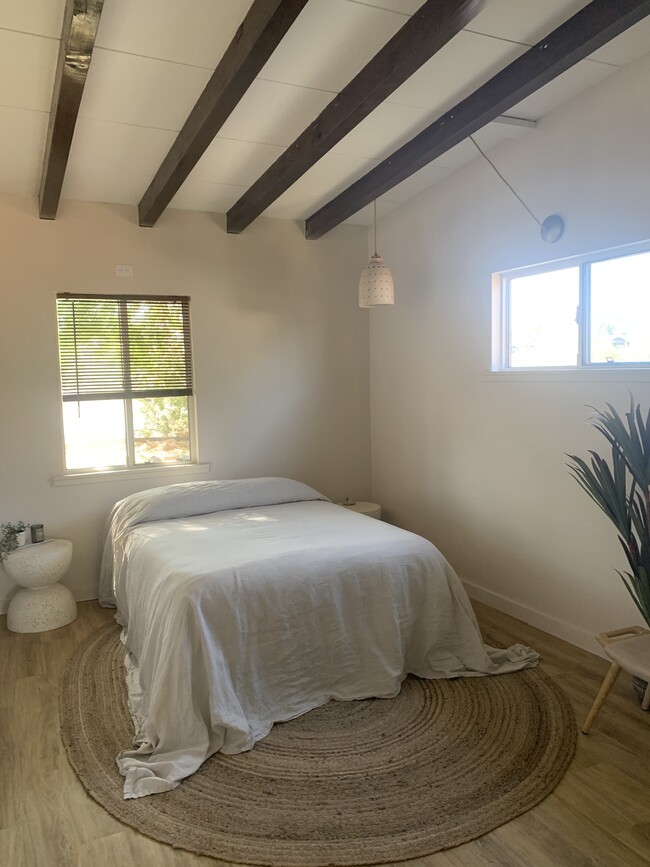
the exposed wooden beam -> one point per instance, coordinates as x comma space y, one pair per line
574, 40
425, 33
80, 22
261, 31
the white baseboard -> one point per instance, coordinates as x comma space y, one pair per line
567, 631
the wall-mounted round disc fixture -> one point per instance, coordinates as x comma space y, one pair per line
552, 229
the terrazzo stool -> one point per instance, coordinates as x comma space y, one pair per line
41, 603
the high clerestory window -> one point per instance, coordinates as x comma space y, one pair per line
126, 380
587, 312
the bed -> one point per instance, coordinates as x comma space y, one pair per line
244, 603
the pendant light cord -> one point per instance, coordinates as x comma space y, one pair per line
512, 190
375, 221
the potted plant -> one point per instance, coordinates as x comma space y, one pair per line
13, 536
620, 487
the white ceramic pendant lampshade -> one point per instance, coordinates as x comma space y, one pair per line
376, 284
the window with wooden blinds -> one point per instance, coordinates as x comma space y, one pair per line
126, 381
124, 346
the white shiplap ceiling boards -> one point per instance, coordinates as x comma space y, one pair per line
153, 58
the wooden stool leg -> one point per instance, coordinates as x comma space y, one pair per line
608, 683
645, 704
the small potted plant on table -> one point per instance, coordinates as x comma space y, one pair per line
13, 536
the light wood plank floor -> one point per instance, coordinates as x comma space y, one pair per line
598, 815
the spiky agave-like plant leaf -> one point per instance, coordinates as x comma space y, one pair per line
606, 488
625, 499
631, 438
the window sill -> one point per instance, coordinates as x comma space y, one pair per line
570, 374
131, 474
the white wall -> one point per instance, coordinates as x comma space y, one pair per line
280, 351
475, 464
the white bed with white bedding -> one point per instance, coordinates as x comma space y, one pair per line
248, 602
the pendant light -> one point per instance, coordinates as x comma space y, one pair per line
552, 228
376, 281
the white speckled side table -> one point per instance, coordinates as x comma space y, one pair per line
41, 603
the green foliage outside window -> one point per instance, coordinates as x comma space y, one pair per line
164, 417
127, 349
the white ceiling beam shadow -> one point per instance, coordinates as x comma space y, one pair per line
112, 162
524, 21
323, 180
190, 32
331, 43
139, 91
36, 58
35, 17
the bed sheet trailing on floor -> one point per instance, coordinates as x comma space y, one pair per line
244, 603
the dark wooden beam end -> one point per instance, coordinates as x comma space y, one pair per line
80, 22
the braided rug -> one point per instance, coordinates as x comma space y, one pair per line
362, 782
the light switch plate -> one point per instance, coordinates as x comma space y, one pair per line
124, 270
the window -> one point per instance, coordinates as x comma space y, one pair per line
593, 311
126, 380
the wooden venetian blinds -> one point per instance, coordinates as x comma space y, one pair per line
124, 346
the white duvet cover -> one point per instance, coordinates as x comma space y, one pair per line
263, 601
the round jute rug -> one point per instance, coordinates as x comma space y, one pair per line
359, 782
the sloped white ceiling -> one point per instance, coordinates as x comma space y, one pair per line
153, 58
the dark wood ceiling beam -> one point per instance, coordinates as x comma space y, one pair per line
588, 30
80, 22
425, 33
261, 31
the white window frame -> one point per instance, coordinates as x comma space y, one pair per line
131, 468
129, 438
501, 314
